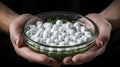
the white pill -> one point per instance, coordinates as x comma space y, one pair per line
41, 30
66, 43
41, 40
70, 37
64, 34
48, 29
80, 41
52, 30
39, 24
83, 29
47, 25
85, 39
60, 37
57, 41
75, 48
82, 37
53, 44
72, 32
36, 39
48, 41
51, 49
28, 33
77, 28
63, 25
67, 49
78, 34
44, 42
53, 37
46, 32
60, 49
45, 35
74, 38
67, 38
61, 44
33, 30
33, 37
89, 36
43, 48
69, 25
87, 33
72, 43
33, 27
67, 30
55, 33
55, 27
61, 29
36, 46
59, 22
76, 24
38, 32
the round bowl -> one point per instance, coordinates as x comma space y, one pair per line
64, 51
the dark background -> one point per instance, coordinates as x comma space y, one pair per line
37, 6
7, 53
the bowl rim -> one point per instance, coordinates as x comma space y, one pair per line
83, 44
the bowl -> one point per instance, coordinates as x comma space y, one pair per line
59, 51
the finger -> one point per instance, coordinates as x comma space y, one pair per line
104, 27
67, 60
32, 56
98, 42
53, 62
15, 29
87, 56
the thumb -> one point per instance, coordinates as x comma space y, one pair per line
15, 30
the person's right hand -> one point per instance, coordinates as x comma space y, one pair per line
104, 28
21, 49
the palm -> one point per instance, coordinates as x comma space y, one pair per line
21, 49
100, 43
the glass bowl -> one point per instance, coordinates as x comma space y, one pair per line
64, 50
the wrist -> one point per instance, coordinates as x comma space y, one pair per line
96, 17
6, 20
113, 20
7, 16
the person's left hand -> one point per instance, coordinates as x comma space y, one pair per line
21, 48
100, 43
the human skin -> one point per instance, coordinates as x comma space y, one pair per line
107, 20
11, 23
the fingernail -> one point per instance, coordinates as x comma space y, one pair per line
101, 43
16, 42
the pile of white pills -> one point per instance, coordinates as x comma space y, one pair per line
59, 34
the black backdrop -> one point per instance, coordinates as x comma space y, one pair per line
7, 53
37, 6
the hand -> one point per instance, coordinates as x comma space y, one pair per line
100, 43
21, 49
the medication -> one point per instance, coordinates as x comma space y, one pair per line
59, 34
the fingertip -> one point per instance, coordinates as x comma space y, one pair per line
26, 15
53, 62
67, 60
18, 41
43, 59
99, 43
77, 59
